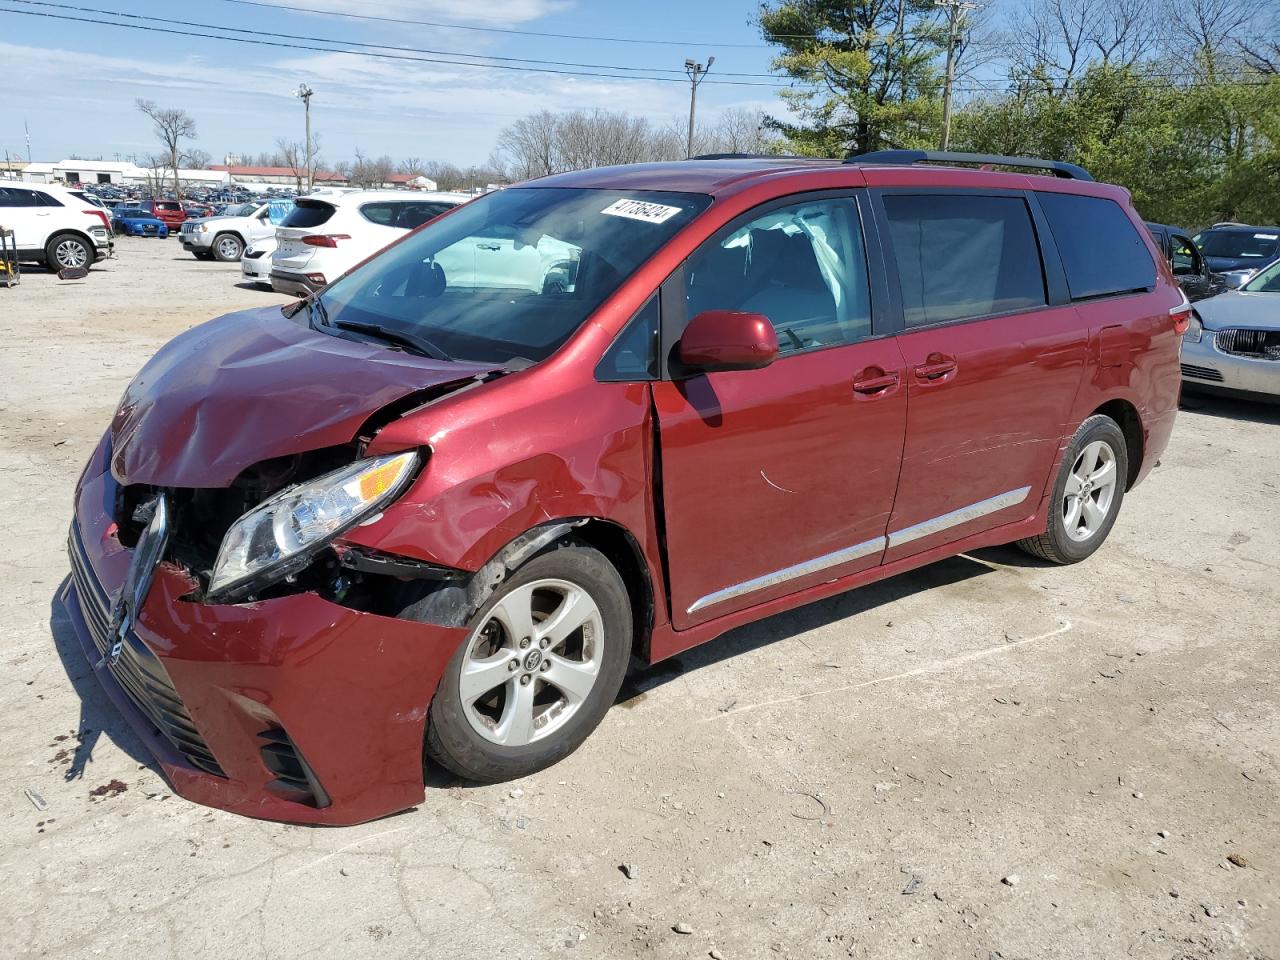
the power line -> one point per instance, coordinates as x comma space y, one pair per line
507, 30
356, 43
369, 53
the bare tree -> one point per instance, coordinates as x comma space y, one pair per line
172, 127
530, 146
366, 172
1207, 31
414, 166
196, 159
1054, 42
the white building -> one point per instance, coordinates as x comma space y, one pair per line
119, 172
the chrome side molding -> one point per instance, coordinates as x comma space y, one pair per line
926, 528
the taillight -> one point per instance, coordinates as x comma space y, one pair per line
317, 278
325, 239
95, 212
1181, 316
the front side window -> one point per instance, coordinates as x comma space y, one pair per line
802, 266
511, 275
1101, 251
964, 256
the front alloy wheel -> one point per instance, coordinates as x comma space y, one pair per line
532, 663
541, 665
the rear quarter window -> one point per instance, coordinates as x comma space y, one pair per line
1102, 252
308, 213
963, 256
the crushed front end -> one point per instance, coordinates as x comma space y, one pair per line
304, 704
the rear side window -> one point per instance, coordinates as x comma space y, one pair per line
1102, 252
309, 213
415, 213
383, 214
962, 256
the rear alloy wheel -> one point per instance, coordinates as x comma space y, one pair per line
68, 250
1087, 494
540, 668
227, 247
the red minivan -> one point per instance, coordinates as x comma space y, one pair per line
439, 505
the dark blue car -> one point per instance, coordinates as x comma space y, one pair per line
135, 222
1237, 247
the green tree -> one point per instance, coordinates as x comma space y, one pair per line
867, 73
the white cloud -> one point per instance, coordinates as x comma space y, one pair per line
83, 103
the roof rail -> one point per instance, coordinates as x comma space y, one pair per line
758, 156
906, 157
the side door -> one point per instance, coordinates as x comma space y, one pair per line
16, 214
1189, 268
782, 478
994, 354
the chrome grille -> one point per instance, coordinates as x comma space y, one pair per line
1201, 373
1246, 342
138, 671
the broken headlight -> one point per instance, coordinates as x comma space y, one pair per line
281, 533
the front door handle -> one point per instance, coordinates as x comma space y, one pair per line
935, 369
875, 386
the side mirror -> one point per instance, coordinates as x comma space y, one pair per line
725, 340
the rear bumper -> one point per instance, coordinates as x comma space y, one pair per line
1206, 367
295, 284
220, 692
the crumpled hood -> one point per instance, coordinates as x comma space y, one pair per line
1239, 308
255, 385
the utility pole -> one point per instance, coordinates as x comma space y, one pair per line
955, 20
304, 94
696, 72
27, 128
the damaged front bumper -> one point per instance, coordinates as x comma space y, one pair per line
294, 708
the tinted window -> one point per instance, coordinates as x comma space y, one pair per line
802, 266
308, 213
384, 214
1239, 244
168, 205
416, 213
962, 256
1101, 251
562, 252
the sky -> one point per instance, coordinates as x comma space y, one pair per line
75, 83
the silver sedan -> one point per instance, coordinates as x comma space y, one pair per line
1233, 345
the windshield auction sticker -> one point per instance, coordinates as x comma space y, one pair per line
640, 210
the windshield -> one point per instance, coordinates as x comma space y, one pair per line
244, 210
1267, 281
513, 274
1238, 244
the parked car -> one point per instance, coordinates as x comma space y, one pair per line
255, 265
1187, 263
328, 233
225, 237
1238, 247
1235, 279
1233, 346
404, 511
54, 226
170, 211
135, 222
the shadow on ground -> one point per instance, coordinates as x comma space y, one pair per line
98, 715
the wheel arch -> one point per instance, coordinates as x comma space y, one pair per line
454, 602
1126, 416
72, 232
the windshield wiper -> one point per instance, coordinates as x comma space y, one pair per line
412, 341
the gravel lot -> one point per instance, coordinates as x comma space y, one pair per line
987, 758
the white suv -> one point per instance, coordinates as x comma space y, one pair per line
226, 236
54, 226
324, 236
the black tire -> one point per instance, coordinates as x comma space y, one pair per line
58, 251
451, 740
234, 248
1056, 545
